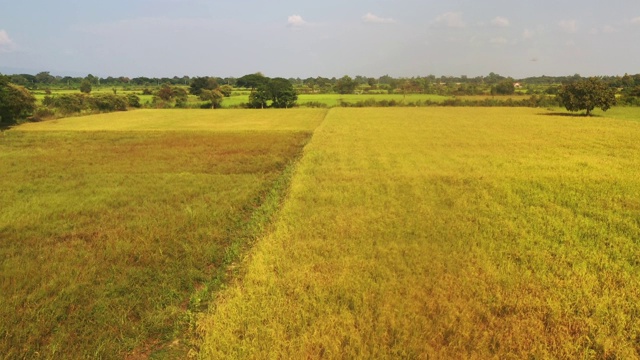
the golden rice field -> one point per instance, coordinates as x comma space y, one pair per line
114, 235
363, 233
446, 233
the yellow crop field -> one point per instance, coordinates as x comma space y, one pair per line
114, 235
446, 233
188, 120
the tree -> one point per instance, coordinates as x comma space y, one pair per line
202, 83
213, 97
226, 90
165, 93
85, 86
252, 81
504, 87
586, 94
44, 77
346, 85
282, 93
278, 91
16, 102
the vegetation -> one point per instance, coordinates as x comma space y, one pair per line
16, 102
404, 233
113, 241
586, 95
446, 233
277, 93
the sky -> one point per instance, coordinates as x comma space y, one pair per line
330, 38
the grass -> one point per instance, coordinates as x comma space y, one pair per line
188, 120
447, 233
332, 100
112, 241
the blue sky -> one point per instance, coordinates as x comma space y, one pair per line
320, 38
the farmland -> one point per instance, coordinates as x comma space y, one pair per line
112, 241
447, 233
306, 233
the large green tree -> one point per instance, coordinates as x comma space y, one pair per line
282, 93
16, 102
346, 85
276, 92
252, 81
586, 94
198, 84
212, 97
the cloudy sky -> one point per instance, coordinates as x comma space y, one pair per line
303, 38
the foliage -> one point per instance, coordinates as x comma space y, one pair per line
16, 102
586, 94
85, 86
259, 98
70, 104
281, 93
165, 93
107, 103
226, 90
212, 97
67, 104
504, 87
345, 85
133, 100
276, 93
251, 81
198, 84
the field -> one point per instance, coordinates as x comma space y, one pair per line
447, 233
305, 233
241, 97
114, 234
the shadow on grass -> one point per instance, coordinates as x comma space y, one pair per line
580, 115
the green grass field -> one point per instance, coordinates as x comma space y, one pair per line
241, 97
114, 235
447, 233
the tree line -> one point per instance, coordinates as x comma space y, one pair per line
575, 92
321, 84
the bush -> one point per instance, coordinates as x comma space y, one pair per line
133, 101
108, 103
42, 113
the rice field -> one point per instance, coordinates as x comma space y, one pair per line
446, 233
116, 230
306, 233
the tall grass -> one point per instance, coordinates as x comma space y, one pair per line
447, 233
111, 242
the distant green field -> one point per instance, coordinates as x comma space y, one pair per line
447, 233
114, 234
332, 100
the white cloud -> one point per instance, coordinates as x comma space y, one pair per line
295, 21
6, 44
570, 26
451, 19
5, 40
371, 18
500, 21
